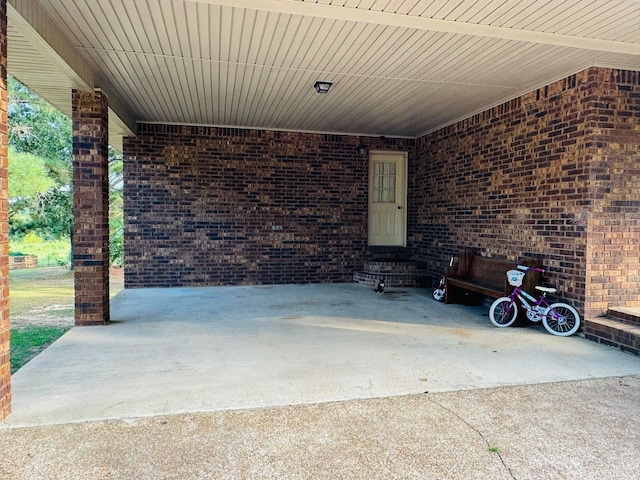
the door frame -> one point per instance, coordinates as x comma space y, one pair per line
405, 180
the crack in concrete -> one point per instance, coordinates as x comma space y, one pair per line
480, 434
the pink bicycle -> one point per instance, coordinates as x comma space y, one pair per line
558, 318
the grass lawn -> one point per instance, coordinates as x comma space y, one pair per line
39, 288
50, 253
32, 291
27, 342
39, 298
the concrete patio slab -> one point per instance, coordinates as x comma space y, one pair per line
188, 350
569, 430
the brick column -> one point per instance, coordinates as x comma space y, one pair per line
91, 207
5, 369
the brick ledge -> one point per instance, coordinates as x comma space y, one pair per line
614, 333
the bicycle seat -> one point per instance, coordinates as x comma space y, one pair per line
546, 289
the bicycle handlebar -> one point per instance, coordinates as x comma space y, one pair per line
524, 268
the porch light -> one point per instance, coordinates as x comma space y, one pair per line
362, 149
322, 86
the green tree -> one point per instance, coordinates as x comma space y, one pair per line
39, 129
29, 187
28, 176
116, 202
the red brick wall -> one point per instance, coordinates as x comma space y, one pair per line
90, 207
613, 246
552, 174
215, 206
5, 369
514, 181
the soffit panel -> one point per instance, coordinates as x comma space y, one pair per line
208, 62
610, 20
30, 67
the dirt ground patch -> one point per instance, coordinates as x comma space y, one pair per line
51, 316
59, 313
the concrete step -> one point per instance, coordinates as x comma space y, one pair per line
390, 280
396, 273
382, 267
628, 315
613, 332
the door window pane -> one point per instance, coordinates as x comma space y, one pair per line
384, 182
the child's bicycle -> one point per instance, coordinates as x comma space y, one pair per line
438, 293
558, 318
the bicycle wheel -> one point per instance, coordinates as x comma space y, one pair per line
502, 312
561, 319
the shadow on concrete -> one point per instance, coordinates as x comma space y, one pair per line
187, 350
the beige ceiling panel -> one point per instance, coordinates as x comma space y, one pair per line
139, 26
194, 37
224, 97
302, 42
311, 45
246, 103
626, 28
473, 12
31, 68
29, 57
570, 17
396, 70
527, 13
545, 19
61, 11
368, 57
126, 77
496, 13
161, 14
119, 30
567, 20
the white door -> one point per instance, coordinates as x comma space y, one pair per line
387, 198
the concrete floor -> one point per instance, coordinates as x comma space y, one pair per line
176, 351
581, 430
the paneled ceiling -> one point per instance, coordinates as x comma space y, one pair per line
398, 67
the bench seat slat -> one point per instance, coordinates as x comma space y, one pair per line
484, 288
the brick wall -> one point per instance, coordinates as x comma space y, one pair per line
613, 247
552, 174
215, 206
5, 369
90, 207
514, 181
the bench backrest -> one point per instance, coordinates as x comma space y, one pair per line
492, 272
489, 271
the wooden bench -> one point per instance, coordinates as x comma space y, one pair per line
485, 276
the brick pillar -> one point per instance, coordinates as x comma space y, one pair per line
5, 368
91, 207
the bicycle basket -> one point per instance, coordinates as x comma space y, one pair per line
515, 277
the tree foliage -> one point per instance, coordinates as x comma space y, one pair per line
29, 176
40, 171
116, 202
39, 165
37, 127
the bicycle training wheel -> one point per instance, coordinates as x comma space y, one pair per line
502, 312
561, 320
438, 294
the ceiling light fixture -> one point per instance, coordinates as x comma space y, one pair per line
322, 86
